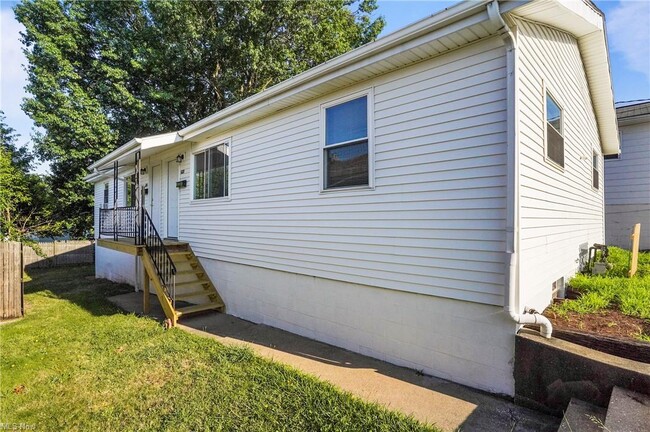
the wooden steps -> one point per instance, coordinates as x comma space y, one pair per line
192, 284
198, 308
192, 294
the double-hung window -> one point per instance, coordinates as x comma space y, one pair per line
554, 131
346, 147
212, 172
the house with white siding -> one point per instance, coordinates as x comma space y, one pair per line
627, 177
415, 200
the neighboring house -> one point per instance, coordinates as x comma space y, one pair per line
409, 200
627, 178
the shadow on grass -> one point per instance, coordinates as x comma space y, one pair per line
78, 285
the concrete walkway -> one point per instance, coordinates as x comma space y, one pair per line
431, 400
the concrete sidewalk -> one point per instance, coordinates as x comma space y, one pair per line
431, 400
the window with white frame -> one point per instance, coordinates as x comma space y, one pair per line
595, 178
211, 172
105, 195
346, 147
554, 131
129, 192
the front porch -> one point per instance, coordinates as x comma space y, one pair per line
127, 245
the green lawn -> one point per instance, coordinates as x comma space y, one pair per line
76, 362
614, 290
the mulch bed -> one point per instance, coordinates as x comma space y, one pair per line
608, 331
611, 323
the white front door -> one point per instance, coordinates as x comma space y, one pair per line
172, 199
154, 196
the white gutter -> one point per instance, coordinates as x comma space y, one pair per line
395, 40
512, 188
118, 152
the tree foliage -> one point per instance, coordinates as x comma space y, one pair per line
103, 72
25, 199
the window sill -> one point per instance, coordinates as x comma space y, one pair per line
347, 189
554, 164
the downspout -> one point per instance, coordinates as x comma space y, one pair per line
512, 188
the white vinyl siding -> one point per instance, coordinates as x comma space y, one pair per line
628, 178
627, 187
559, 210
434, 223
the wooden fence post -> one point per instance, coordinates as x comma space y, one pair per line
634, 259
11, 275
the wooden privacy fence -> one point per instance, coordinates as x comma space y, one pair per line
11, 280
60, 253
15, 257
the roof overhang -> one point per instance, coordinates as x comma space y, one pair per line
125, 155
586, 23
633, 113
452, 28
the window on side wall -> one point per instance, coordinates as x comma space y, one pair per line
554, 131
105, 195
346, 146
595, 178
129, 196
212, 172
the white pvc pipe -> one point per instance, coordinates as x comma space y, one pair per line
512, 189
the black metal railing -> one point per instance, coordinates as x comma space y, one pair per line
119, 222
158, 252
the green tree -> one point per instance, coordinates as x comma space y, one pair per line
25, 199
20, 156
103, 72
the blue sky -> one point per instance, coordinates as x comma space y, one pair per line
628, 28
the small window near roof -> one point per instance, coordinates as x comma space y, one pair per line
596, 173
554, 131
211, 172
346, 144
612, 157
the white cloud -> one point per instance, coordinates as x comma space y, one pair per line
628, 30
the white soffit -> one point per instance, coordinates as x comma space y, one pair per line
581, 19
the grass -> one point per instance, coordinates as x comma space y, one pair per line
613, 290
75, 362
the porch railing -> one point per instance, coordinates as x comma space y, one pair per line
119, 222
162, 261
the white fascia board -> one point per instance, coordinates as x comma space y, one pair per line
129, 149
586, 23
118, 152
160, 140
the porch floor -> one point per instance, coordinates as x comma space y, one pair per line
127, 245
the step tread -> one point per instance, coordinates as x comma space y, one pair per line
179, 253
196, 283
582, 416
198, 308
190, 272
194, 294
628, 411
